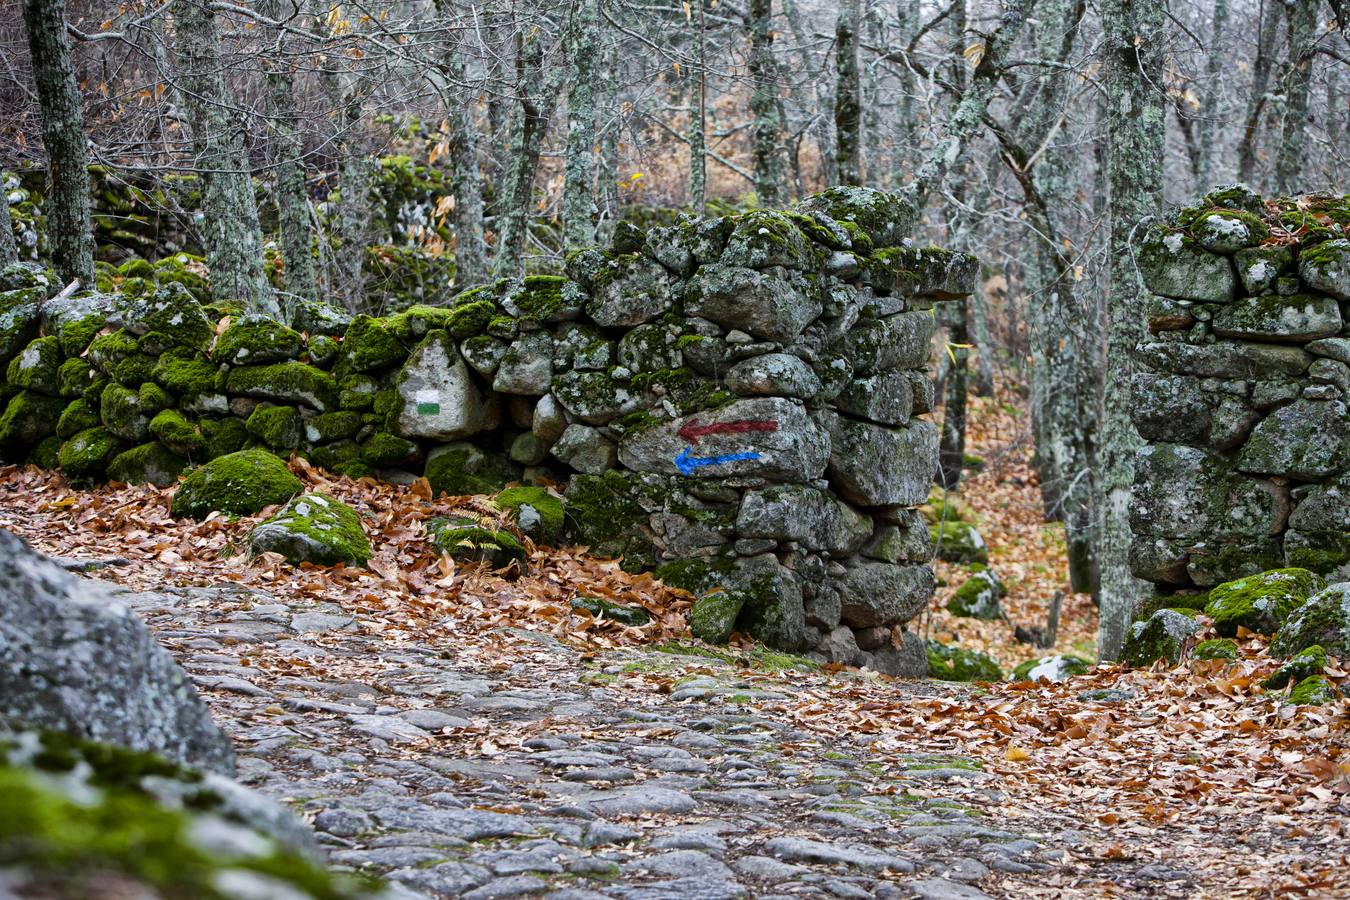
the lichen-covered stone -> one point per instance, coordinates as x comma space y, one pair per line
1326, 267
978, 596
608, 514
85, 456
288, 382
713, 616
1323, 620
950, 663
1225, 359
762, 238
241, 483
877, 593
1260, 603
314, 528
774, 375
1307, 440
36, 366
149, 463
372, 344
901, 341
437, 397
1161, 637
768, 307
801, 513
1174, 265
628, 291
874, 465
886, 398
1228, 230
461, 468
279, 427
1271, 317
883, 219
773, 613
255, 340
1259, 267
173, 312
584, 449
527, 365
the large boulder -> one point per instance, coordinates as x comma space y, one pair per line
1260, 603
314, 528
1324, 620
1161, 636
74, 658
241, 483
437, 396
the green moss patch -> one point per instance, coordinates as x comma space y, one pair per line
535, 511
241, 483
959, 664
315, 528
1260, 603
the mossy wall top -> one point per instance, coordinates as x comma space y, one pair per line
1241, 393
741, 390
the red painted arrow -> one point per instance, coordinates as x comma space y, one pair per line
691, 431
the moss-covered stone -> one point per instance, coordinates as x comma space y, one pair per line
342, 457
332, 426
84, 457
1217, 648
255, 340
958, 542
600, 608
150, 463
1260, 603
461, 468
1323, 620
288, 382
697, 575
535, 511
118, 355
1228, 230
1162, 636
946, 506
1304, 664
959, 664
541, 299
73, 377
173, 312
1180, 600
383, 450
76, 417
180, 436
1314, 690
606, 513
357, 392
978, 596
323, 350
279, 427
1051, 668
36, 367
884, 218
47, 453
315, 528
28, 418
127, 413
372, 344
472, 540
222, 436
241, 483
713, 616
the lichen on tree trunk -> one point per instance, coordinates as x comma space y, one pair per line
578, 200
767, 140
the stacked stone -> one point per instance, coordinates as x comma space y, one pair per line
1243, 406
732, 402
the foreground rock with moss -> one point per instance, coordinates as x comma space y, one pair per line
738, 397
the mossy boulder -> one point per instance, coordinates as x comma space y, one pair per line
536, 511
315, 317
1058, 667
383, 450
170, 311
1304, 664
1260, 603
327, 427
76, 417
255, 340
950, 663
222, 436
1314, 690
1175, 265
180, 436
323, 350
607, 514
118, 355
958, 542
600, 608
127, 413
461, 468
241, 483
47, 453
19, 320
279, 427
473, 540
372, 344
1324, 620
85, 457
713, 616
74, 377
884, 219
314, 528
1161, 636
36, 367
1228, 230
978, 596
1216, 648
150, 463
288, 382
28, 418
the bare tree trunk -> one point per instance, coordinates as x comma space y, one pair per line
698, 120
611, 123
1215, 106
70, 234
9, 248
466, 181
292, 199
232, 235
578, 201
516, 200
1265, 49
764, 108
847, 96
1298, 81
1133, 42
952, 445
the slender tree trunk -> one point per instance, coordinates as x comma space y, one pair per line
292, 199
354, 226
1214, 108
847, 96
1133, 42
1256, 103
698, 119
9, 248
516, 201
1298, 81
232, 235
952, 446
70, 234
466, 181
984, 344
903, 152
819, 127
578, 201
764, 109
611, 124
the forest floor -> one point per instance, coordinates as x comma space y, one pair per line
503, 741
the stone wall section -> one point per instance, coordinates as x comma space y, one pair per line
1241, 391
734, 402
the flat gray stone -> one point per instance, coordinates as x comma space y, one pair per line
854, 855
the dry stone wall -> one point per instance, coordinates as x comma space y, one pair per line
734, 402
1242, 391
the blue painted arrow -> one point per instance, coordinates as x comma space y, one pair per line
687, 462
